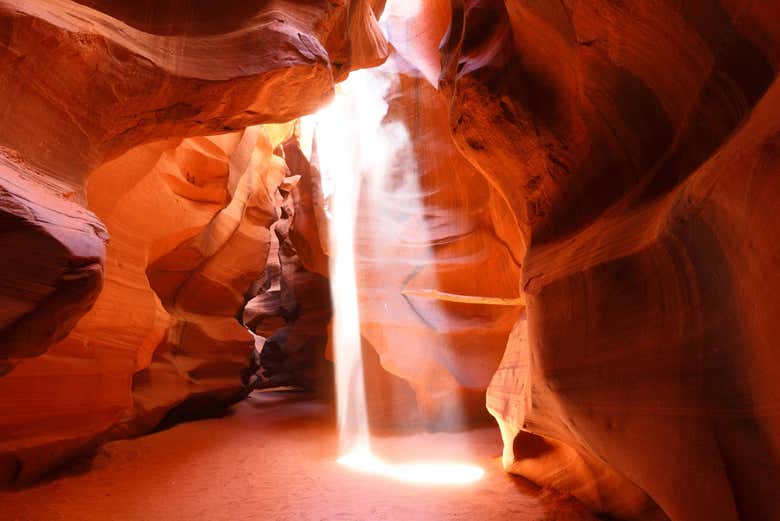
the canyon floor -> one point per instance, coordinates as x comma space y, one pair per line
272, 458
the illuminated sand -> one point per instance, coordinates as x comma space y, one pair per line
275, 459
422, 472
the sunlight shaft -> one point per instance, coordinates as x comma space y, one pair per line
353, 148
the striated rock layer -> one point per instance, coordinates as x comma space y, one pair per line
425, 287
623, 154
636, 144
51, 270
87, 91
436, 278
291, 308
186, 243
83, 85
80, 87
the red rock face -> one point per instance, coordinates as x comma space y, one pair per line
636, 145
101, 87
80, 87
423, 237
291, 309
88, 90
613, 165
186, 244
52, 266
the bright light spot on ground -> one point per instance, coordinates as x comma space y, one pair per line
419, 473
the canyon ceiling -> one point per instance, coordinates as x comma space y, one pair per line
601, 183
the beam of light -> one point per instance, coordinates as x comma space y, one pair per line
348, 143
354, 147
417, 472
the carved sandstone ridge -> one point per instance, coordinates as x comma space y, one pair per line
291, 307
636, 144
190, 231
52, 267
465, 299
81, 87
86, 90
430, 224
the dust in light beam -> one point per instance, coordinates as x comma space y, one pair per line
353, 146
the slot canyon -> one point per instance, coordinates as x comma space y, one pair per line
392, 260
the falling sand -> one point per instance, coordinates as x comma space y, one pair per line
274, 459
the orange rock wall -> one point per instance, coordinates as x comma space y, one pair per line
290, 308
636, 144
429, 226
614, 165
87, 90
163, 332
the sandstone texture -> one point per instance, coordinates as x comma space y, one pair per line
102, 106
430, 259
580, 218
163, 333
636, 143
291, 309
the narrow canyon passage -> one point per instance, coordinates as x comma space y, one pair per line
273, 457
389, 260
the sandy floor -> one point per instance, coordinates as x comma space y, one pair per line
272, 459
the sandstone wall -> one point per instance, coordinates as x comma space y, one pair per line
87, 91
636, 143
596, 180
437, 280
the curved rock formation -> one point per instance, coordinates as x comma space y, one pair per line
291, 309
88, 88
106, 80
51, 268
636, 144
163, 333
80, 87
595, 180
429, 225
